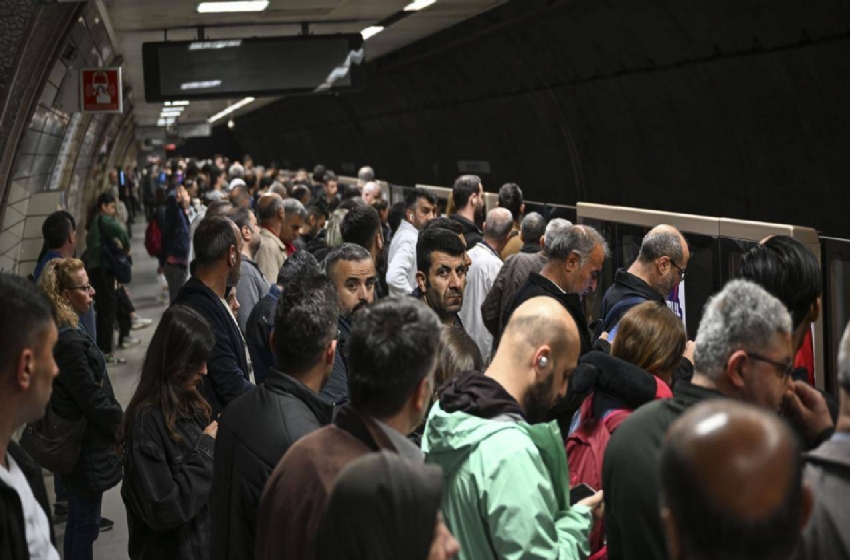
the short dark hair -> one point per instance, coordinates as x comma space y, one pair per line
56, 228
788, 270
510, 197
318, 209
391, 349
295, 265
26, 313
212, 240
380, 205
436, 241
238, 195
419, 192
104, 198
348, 252
350, 191
319, 173
240, 216
710, 532
532, 228
360, 225
304, 322
465, 186
443, 223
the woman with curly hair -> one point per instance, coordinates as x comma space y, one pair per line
82, 392
168, 443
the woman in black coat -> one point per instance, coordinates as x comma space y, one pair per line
168, 443
83, 392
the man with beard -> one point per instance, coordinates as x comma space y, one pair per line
468, 195
256, 430
441, 273
252, 284
218, 253
506, 491
658, 269
352, 271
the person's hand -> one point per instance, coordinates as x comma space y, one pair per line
212, 429
689, 351
596, 505
604, 335
807, 407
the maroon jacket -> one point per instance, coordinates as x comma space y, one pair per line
295, 496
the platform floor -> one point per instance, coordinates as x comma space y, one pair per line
144, 292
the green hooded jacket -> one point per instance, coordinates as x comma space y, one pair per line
112, 230
506, 488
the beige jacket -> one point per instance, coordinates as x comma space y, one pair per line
270, 256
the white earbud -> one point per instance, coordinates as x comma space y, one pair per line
541, 363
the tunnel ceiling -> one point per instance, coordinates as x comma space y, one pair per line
725, 108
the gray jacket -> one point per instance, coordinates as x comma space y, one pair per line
251, 287
512, 275
828, 471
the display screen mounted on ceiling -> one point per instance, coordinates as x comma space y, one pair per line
229, 68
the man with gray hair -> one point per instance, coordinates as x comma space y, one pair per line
574, 259
293, 220
658, 269
486, 264
743, 352
518, 267
828, 471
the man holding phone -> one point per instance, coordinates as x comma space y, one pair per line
507, 495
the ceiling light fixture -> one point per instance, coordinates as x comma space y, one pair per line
231, 7
371, 31
214, 45
176, 103
230, 109
417, 5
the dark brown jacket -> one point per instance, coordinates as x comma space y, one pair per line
295, 496
511, 276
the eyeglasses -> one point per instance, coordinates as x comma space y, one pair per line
786, 368
86, 288
679, 268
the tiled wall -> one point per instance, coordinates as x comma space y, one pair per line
57, 150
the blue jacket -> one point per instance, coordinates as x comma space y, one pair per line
227, 367
176, 239
335, 390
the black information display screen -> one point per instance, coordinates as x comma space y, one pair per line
212, 69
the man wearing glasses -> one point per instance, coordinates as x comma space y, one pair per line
744, 351
659, 268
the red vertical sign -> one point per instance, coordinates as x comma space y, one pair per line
100, 90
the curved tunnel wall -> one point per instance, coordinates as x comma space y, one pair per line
722, 108
46, 145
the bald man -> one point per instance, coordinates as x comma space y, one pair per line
743, 352
828, 471
506, 491
658, 269
731, 485
486, 263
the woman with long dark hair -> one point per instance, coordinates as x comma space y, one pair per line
168, 441
82, 392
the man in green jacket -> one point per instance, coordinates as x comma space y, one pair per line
506, 492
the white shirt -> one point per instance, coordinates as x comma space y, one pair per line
401, 268
37, 525
485, 266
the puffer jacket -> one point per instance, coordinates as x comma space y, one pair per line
83, 390
167, 489
505, 491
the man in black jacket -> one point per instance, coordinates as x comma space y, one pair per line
27, 370
658, 269
352, 273
218, 252
257, 429
468, 196
574, 259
